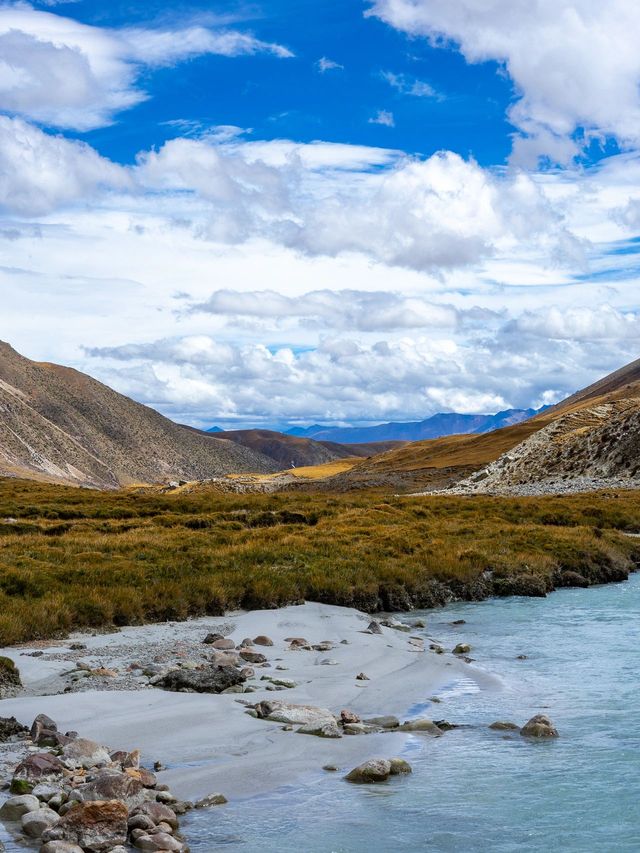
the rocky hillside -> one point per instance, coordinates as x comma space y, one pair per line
60, 425
585, 442
296, 451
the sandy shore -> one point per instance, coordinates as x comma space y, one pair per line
207, 742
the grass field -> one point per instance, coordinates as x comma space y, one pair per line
77, 558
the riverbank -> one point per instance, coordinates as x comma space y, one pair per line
208, 743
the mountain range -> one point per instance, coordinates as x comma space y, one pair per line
445, 423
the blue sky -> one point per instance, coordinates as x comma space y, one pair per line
340, 212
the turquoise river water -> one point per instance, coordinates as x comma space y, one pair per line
476, 789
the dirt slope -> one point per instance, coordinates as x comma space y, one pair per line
60, 425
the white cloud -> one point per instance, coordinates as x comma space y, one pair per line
410, 86
383, 117
575, 63
62, 73
324, 64
40, 173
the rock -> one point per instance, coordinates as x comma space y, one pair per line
15, 807
86, 753
283, 712
445, 726
10, 728
210, 639
374, 627
252, 657
374, 770
44, 791
522, 657
158, 766
459, 622
37, 767
321, 729
324, 646
224, 645
419, 623
296, 643
502, 726
400, 767
261, 640
439, 650
362, 677
159, 841
247, 672
67, 847
360, 729
114, 785
140, 821
328, 662
211, 800
331, 768
34, 823
210, 679
96, 827
422, 725
159, 813
182, 807
165, 797
42, 723
349, 716
539, 726
385, 722
462, 649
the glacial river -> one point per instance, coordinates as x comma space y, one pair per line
476, 790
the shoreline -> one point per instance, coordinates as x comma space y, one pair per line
207, 741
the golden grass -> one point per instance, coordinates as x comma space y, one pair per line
76, 558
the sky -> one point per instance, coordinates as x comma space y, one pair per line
338, 211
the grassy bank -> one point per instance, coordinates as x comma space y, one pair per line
72, 558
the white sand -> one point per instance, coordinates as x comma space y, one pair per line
207, 741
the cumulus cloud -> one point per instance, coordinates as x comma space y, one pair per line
600, 323
335, 309
574, 62
62, 73
40, 173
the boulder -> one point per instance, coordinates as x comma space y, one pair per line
360, 729
374, 770
209, 679
140, 821
42, 723
37, 767
210, 639
321, 729
211, 800
422, 725
400, 767
159, 813
374, 627
13, 808
86, 753
10, 727
296, 643
348, 716
284, 712
262, 640
385, 722
539, 726
96, 827
36, 822
462, 649
504, 726
159, 841
250, 656
362, 677
114, 785
224, 645
65, 847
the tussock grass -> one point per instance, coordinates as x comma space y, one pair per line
75, 558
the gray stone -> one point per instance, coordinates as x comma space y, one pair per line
462, 649
261, 640
328, 730
504, 726
539, 726
385, 722
211, 800
159, 841
400, 767
374, 770
15, 807
283, 712
34, 823
86, 753
68, 847
209, 679
422, 725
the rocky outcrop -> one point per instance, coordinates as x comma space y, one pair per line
9, 678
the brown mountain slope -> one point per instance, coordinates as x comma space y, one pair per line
297, 451
438, 463
59, 424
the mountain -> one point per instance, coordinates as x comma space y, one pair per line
61, 425
593, 433
446, 423
297, 451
